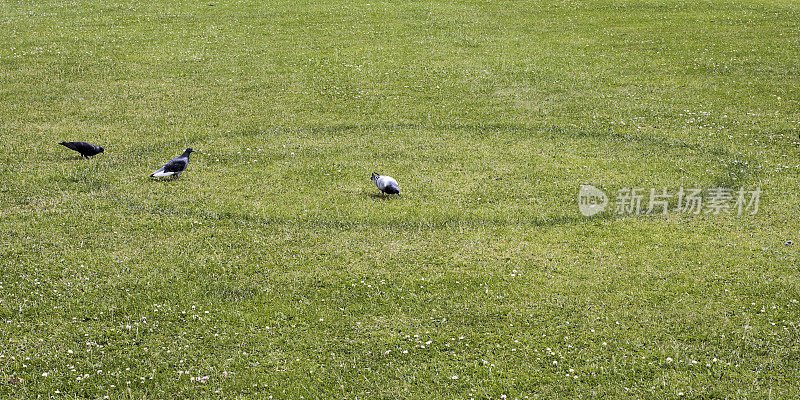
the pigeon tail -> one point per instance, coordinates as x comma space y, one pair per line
70, 145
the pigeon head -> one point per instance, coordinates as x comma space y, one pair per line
374, 176
101, 149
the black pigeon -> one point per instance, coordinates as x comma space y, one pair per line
86, 149
174, 166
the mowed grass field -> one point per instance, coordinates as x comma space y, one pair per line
273, 267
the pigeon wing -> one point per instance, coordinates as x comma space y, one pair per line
391, 189
85, 148
175, 165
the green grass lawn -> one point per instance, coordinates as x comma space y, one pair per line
273, 267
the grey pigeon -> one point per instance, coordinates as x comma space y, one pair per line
385, 183
86, 149
175, 166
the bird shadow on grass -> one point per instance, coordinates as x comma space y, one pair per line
379, 197
164, 181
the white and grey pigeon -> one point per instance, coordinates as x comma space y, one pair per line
386, 184
175, 166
